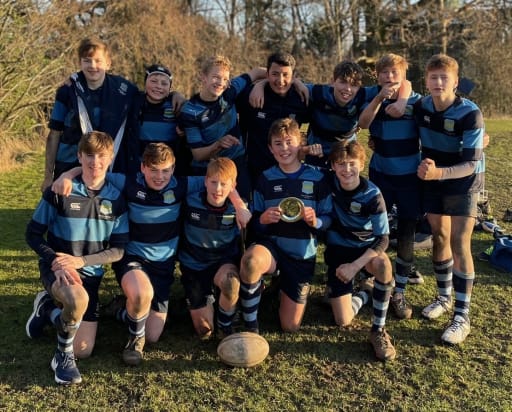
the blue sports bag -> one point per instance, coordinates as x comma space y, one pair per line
501, 256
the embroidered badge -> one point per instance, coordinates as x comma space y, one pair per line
355, 207
169, 197
307, 187
449, 125
106, 207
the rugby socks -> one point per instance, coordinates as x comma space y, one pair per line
250, 296
463, 285
402, 270
65, 333
121, 315
225, 319
136, 327
443, 271
359, 299
381, 295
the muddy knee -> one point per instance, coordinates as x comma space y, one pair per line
230, 286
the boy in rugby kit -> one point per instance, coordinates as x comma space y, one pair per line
452, 140
358, 238
155, 119
393, 165
210, 251
288, 246
74, 236
91, 100
210, 119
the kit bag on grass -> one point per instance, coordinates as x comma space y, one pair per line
501, 255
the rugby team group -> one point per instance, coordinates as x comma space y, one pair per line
227, 184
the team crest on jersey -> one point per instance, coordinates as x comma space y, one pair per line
106, 207
278, 189
426, 119
228, 219
261, 115
169, 197
355, 207
307, 187
123, 89
449, 125
141, 195
195, 216
168, 113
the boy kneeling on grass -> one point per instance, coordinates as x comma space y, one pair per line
210, 250
358, 238
146, 271
288, 246
69, 234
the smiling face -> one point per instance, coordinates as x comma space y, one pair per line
158, 176
347, 171
285, 148
94, 65
280, 78
214, 82
158, 86
95, 167
218, 189
344, 90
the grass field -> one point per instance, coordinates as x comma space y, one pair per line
321, 368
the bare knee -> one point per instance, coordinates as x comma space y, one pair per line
381, 266
230, 287
253, 266
153, 336
343, 322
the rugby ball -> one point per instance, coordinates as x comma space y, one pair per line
243, 349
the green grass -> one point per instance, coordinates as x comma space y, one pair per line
322, 368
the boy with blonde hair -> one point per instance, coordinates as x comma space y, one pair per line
210, 119
452, 140
395, 158
210, 250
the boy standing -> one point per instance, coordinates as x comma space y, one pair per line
94, 100
280, 100
451, 134
393, 165
335, 109
210, 250
156, 118
357, 239
288, 246
72, 253
210, 120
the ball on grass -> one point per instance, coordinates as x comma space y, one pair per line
243, 349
